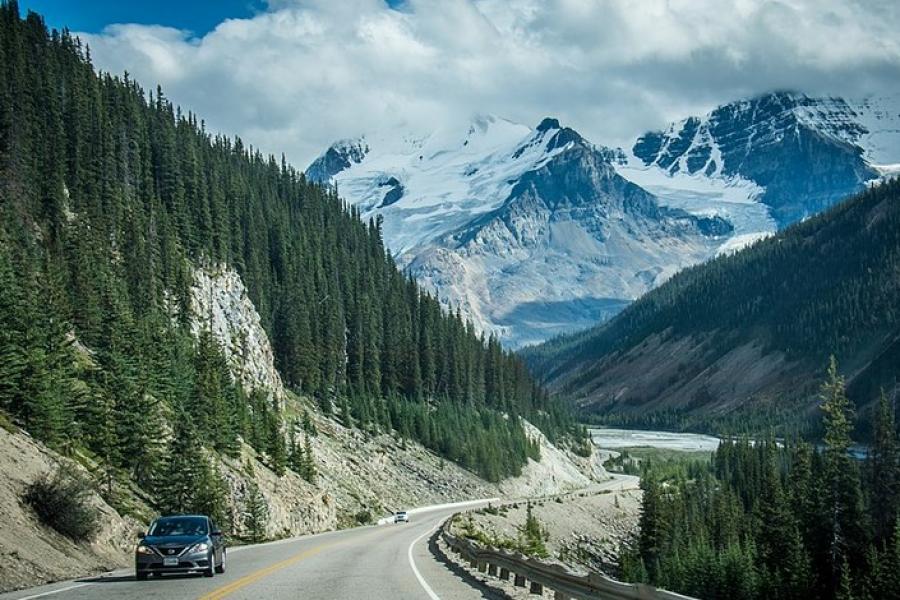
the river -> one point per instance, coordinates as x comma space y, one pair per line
615, 439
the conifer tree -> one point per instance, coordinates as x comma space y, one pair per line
841, 483
256, 511
308, 464
884, 470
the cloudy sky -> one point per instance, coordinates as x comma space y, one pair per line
294, 75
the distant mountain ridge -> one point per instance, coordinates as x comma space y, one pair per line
806, 153
744, 338
535, 233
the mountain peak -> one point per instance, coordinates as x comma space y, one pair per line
339, 156
804, 152
548, 123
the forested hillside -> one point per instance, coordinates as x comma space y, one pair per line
747, 333
767, 520
111, 197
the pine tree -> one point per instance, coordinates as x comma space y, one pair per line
841, 491
182, 471
256, 511
884, 470
278, 456
533, 535
211, 495
308, 464
845, 585
652, 525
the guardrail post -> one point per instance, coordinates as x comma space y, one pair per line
504, 573
536, 588
519, 580
560, 596
492, 570
482, 566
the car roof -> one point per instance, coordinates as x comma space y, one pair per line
177, 516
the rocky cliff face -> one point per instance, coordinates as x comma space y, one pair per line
572, 226
219, 302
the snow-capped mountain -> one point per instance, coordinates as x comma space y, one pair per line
531, 232
539, 232
802, 154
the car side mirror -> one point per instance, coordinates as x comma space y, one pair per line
141, 535
217, 532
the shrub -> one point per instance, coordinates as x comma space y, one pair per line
62, 502
584, 448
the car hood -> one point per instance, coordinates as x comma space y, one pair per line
174, 540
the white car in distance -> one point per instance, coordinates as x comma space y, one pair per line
401, 517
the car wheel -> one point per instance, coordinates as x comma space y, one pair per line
212, 561
221, 567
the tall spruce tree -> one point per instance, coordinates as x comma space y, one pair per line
841, 491
884, 470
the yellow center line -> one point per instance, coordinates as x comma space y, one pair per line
255, 576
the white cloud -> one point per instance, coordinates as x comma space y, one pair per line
307, 72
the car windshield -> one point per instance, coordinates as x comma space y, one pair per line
179, 526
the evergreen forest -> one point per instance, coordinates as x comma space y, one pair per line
773, 520
111, 197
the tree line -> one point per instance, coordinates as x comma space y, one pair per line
777, 520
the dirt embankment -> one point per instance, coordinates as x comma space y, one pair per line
584, 529
31, 552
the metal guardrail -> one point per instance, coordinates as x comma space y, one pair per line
538, 575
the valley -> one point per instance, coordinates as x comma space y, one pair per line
639, 339
751, 331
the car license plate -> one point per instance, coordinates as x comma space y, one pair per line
170, 562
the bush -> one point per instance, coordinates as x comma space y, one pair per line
584, 448
62, 501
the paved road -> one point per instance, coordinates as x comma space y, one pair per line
391, 562
372, 563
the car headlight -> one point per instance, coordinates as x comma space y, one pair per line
201, 547
145, 550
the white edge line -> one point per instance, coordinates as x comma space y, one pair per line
412, 563
50, 593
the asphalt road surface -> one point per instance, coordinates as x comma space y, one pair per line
390, 562
368, 563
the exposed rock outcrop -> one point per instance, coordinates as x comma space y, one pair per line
219, 301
